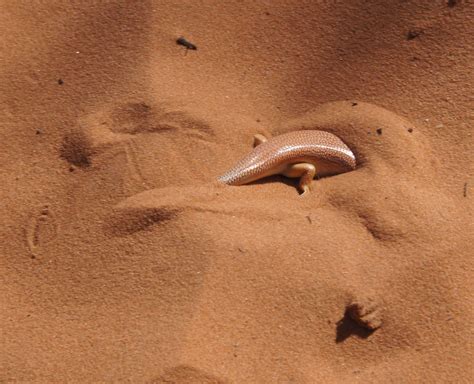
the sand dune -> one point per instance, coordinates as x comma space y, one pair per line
123, 259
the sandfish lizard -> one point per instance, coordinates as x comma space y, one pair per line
302, 154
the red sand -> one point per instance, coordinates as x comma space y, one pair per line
123, 260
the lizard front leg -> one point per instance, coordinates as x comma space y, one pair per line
258, 139
306, 173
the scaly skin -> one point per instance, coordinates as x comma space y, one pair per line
300, 154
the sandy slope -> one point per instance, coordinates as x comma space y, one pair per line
122, 259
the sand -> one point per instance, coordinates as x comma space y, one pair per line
124, 260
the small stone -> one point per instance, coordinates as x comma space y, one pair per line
414, 33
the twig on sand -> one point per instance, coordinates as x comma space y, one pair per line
182, 41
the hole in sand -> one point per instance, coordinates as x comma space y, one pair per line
347, 327
77, 149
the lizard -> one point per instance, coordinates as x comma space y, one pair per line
298, 154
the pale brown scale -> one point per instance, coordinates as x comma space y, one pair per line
302, 154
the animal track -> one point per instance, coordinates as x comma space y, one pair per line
136, 118
133, 165
41, 229
132, 118
119, 125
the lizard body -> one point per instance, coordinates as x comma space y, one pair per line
300, 154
